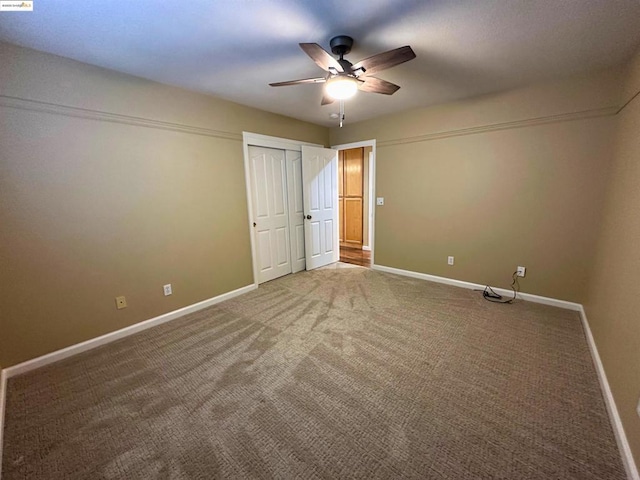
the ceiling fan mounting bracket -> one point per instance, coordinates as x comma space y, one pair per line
341, 45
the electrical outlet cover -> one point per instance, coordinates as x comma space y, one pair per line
121, 302
167, 289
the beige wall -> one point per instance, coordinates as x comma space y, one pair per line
148, 189
613, 303
498, 181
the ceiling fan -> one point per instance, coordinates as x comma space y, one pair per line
343, 78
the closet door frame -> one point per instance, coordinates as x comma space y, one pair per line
267, 141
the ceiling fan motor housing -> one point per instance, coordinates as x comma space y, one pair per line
341, 45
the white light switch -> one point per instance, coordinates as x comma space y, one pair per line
380, 201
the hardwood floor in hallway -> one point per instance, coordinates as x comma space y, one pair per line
355, 256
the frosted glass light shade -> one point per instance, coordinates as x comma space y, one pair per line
341, 88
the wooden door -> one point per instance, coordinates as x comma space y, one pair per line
351, 197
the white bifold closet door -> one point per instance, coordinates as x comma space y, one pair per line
296, 209
294, 200
277, 206
270, 212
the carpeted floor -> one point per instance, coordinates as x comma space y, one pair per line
342, 372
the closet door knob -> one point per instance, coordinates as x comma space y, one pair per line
308, 217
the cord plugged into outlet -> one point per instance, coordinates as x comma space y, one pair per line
491, 295
521, 271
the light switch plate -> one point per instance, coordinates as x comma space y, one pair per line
380, 201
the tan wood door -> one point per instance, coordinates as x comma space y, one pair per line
351, 164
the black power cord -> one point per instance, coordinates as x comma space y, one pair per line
491, 296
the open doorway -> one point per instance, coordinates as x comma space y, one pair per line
355, 181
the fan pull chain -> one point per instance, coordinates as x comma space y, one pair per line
341, 112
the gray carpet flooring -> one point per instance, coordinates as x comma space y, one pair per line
341, 372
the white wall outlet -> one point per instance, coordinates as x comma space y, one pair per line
521, 271
379, 200
450, 260
121, 302
167, 289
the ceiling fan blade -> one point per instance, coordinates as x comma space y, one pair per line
299, 82
322, 58
326, 99
377, 85
385, 60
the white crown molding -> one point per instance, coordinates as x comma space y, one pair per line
57, 109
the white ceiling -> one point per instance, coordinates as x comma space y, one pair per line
234, 48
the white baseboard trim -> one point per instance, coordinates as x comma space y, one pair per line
3, 394
368, 249
459, 283
118, 334
616, 422
621, 438
58, 355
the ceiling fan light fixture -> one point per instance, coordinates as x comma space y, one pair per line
341, 87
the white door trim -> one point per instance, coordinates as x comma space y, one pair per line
259, 140
372, 191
